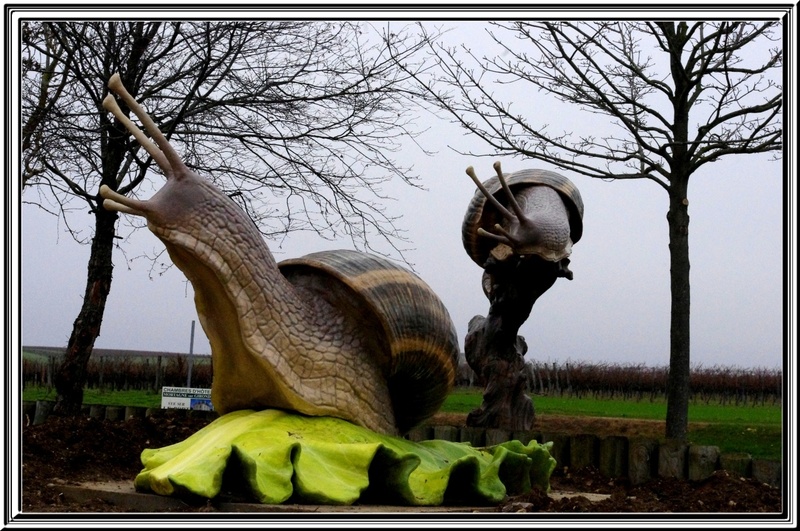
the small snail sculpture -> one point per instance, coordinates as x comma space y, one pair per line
525, 213
520, 229
339, 333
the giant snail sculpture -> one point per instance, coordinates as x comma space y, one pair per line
339, 333
320, 363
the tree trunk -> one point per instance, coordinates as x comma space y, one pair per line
679, 363
71, 375
677, 423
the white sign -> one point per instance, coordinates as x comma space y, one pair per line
186, 398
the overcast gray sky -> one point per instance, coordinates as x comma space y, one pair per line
616, 310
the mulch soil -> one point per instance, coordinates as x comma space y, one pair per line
64, 451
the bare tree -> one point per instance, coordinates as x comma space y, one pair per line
708, 90
295, 120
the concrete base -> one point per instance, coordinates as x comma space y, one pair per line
123, 496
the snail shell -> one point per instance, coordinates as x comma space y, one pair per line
531, 188
410, 327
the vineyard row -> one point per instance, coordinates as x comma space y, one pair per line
636, 382
631, 382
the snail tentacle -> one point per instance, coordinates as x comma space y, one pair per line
111, 105
120, 203
511, 199
489, 197
170, 162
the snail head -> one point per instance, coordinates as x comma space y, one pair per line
523, 233
184, 191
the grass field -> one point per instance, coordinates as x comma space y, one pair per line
466, 399
100, 397
756, 430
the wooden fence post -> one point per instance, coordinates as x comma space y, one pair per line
43, 410
158, 373
558, 383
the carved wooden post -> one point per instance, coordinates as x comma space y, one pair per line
520, 229
494, 350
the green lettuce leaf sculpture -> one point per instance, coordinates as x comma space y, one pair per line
280, 455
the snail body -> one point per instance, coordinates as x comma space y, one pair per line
338, 333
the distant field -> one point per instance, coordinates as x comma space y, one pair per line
34, 357
120, 370
133, 398
461, 400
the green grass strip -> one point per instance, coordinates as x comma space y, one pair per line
465, 400
133, 398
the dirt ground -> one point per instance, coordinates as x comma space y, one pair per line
76, 450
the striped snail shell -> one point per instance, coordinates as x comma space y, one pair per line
337, 333
414, 335
550, 200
